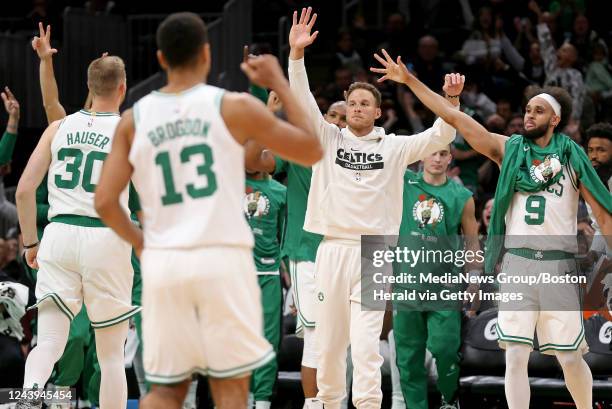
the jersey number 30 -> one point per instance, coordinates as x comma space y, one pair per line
172, 196
74, 168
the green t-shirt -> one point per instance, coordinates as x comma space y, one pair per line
431, 220
469, 167
299, 245
264, 208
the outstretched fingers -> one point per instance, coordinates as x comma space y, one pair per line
381, 60
312, 21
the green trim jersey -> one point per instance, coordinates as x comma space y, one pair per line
431, 220
545, 220
264, 208
299, 244
188, 171
432, 210
78, 150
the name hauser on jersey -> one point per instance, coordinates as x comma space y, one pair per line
356, 160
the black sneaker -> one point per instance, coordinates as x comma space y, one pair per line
29, 404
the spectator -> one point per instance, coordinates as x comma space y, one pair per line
564, 11
515, 125
346, 56
485, 217
8, 212
427, 64
558, 65
599, 80
584, 39
396, 35
475, 99
343, 77
488, 43
524, 34
504, 110
534, 66
600, 151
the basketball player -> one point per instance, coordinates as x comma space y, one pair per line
301, 246
354, 191
76, 246
435, 210
265, 210
182, 147
69, 367
539, 207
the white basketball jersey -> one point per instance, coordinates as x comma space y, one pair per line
545, 220
78, 150
188, 171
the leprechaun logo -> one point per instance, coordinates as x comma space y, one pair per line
543, 171
427, 210
256, 204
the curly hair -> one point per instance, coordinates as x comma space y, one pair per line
563, 98
600, 130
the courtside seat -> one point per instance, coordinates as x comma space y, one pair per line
483, 363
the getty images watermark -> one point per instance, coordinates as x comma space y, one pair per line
439, 273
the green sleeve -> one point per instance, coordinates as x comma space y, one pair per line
282, 217
7, 146
134, 200
259, 93
280, 165
42, 204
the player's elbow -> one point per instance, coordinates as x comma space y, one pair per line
103, 203
313, 152
24, 192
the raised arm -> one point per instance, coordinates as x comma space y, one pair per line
299, 39
490, 145
48, 85
293, 139
7, 143
32, 176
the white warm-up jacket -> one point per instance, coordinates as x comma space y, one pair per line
357, 187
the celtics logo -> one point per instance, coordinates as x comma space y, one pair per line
543, 171
256, 204
427, 211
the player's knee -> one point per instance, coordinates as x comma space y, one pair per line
569, 359
517, 356
441, 347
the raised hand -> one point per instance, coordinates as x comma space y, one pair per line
453, 84
42, 43
11, 105
393, 70
299, 36
263, 70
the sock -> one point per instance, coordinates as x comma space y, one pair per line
262, 404
109, 347
578, 378
53, 328
517, 381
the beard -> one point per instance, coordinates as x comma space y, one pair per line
604, 171
537, 132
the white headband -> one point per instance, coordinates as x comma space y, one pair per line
551, 101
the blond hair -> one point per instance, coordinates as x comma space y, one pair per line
104, 75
